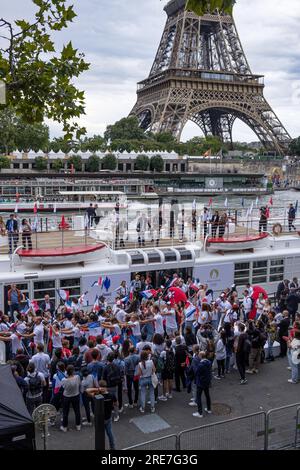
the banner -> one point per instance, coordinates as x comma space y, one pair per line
111, 283
217, 278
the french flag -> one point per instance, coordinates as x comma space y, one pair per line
131, 295
190, 309
96, 307
82, 297
148, 294
69, 306
64, 294
35, 208
99, 282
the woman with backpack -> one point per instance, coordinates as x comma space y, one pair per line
167, 373
112, 375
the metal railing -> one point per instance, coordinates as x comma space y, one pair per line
243, 433
164, 443
279, 428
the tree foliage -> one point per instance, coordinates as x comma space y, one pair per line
142, 163
4, 162
93, 164
200, 7
17, 134
125, 129
57, 164
156, 163
39, 81
40, 163
76, 161
109, 162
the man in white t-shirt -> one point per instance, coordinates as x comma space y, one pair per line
14, 338
247, 304
158, 321
170, 316
41, 361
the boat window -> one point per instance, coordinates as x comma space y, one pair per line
170, 256
241, 274
136, 258
72, 285
23, 288
276, 270
259, 272
41, 288
153, 257
185, 255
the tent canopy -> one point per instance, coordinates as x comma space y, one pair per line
13, 411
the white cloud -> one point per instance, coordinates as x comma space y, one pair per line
120, 39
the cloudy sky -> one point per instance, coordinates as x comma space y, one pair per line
120, 38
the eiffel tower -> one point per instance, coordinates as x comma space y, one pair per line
201, 74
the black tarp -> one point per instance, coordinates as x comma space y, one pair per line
16, 425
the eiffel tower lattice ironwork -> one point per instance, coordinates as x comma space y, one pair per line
201, 74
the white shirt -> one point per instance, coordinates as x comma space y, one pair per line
170, 319
158, 324
38, 331
247, 304
141, 345
120, 315
41, 362
135, 326
56, 340
203, 318
16, 343
21, 328
260, 306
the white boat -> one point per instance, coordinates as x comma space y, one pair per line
238, 242
67, 255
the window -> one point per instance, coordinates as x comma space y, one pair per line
153, 257
41, 288
170, 256
185, 255
241, 274
71, 285
276, 270
259, 272
23, 288
136, 258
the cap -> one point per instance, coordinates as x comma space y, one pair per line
115, 339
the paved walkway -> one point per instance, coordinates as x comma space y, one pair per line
269, 389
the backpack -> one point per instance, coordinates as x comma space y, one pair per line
35, 384
159, 363
169, 364
113, 375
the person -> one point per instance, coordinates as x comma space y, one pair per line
180, 224
14, 299
294, 352
222, 224
12, 228
292, 302
112, 375
35, 381
214, 224
141, 228
47, 305
283, 332
271, 330
247, 304
88, 382
26, 234
243, 347
2, 227
146, 369
110, 402
205, 221
42, 362
263, 221
71, 396
202, 372
291, 217
98, 214
91, 214
167, 373
131, 364
181, 354
57, 389
221, 355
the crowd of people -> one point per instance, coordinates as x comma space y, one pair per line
148, 345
